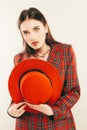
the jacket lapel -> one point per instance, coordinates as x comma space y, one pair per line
56, 56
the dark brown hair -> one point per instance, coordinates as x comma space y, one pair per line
33, 13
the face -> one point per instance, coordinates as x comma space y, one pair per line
34, 33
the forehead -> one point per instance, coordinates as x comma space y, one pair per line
30, 24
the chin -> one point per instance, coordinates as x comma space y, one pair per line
37, 48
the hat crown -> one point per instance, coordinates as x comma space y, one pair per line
35, 87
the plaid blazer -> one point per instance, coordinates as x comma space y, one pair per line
63, 58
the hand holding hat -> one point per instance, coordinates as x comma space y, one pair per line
36, 81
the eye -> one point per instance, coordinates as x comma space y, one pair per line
25, 32
36, 29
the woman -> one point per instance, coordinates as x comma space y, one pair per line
40, 44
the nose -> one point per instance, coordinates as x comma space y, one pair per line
32, 37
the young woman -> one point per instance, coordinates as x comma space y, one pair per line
40, 44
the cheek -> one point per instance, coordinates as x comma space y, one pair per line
42, 36
26, 38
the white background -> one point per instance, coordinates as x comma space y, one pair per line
68, 23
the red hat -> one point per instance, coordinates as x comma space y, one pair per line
36, 81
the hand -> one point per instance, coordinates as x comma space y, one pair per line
16, 110
44, 108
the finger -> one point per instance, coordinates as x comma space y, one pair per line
21, 112
26, 100
21, 108
29, 105
19, 105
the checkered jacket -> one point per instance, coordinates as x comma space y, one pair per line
63, 58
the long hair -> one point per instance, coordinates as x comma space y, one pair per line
33, 13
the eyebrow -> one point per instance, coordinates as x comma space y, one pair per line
36, 26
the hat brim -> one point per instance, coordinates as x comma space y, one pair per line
29, 65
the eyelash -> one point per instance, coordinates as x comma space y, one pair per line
25, 33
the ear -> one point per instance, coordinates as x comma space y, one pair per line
46, 28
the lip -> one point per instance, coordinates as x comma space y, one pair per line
34, 43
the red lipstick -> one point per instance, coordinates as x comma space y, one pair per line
34, 43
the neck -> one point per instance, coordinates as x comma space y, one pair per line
42, 52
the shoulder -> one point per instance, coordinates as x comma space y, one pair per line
18, 58
63, 47
65, 50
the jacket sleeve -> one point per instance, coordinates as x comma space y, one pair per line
17, 59
71, 89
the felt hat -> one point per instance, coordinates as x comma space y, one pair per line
34, 80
